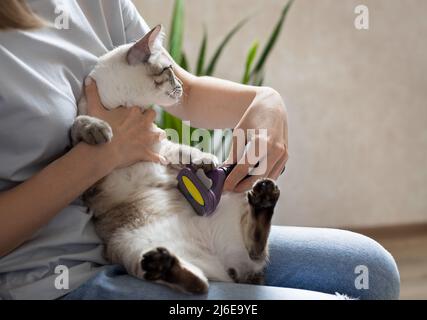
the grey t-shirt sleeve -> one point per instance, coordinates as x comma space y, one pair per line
135, 26
41, 75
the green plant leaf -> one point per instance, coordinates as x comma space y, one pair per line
257, 79
249, 61
177, 31
211, 67
184, 62
260, 80
272, 40
171, 122
202, 54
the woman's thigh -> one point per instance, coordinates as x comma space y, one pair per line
324, 260
330, 261
113, 283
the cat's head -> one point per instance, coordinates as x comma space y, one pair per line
138, 74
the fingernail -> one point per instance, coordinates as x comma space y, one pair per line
88, 81
163, 161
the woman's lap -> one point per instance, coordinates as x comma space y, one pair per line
330, 261
324, 260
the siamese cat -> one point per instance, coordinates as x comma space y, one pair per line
146, 223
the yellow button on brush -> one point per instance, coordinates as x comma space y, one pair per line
193, 191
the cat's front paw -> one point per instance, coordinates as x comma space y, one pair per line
91, 130
205, 161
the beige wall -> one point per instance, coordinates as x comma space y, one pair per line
357, 102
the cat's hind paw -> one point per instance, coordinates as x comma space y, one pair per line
157, 263
160, 265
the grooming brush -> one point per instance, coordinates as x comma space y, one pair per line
203, 190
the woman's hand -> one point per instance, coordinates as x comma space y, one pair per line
267, 111
133, 135
33, 203
214, 103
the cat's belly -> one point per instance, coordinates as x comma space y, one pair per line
153, 213
214, 244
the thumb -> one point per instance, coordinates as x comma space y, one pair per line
150, 115
94, 105
154, 157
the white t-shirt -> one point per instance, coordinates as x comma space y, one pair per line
41, 74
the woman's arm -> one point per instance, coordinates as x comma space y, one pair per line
30, 205
214, 103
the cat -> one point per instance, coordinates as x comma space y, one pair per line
145, 222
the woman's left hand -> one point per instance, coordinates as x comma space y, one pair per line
267, 111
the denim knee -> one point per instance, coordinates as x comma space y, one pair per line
383, 274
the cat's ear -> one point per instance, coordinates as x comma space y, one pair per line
141, 51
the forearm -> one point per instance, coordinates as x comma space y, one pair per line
215, 103
212, 103
27, 207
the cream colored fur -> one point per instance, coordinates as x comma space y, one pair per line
153, 213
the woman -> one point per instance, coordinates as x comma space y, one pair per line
43, 224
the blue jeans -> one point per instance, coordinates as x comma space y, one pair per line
323, 260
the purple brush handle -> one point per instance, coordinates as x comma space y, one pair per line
211, 197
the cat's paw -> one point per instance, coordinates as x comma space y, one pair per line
205, 161
264, 194
161, 265
157, 262
91, 130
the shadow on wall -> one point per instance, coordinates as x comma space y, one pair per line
356, 101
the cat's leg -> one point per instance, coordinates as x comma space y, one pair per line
256, 223
162, 266
90, 130
138, 252
249, 278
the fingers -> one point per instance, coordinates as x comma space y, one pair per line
140, 118
246, 163
237, 149
236, 155
246, 184
265, 165
278, 168
152, 137
239, 173
154, 157
149, 115
271, 161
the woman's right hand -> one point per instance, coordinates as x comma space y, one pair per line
133, 135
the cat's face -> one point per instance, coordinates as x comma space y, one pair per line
147, 55
140, 74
